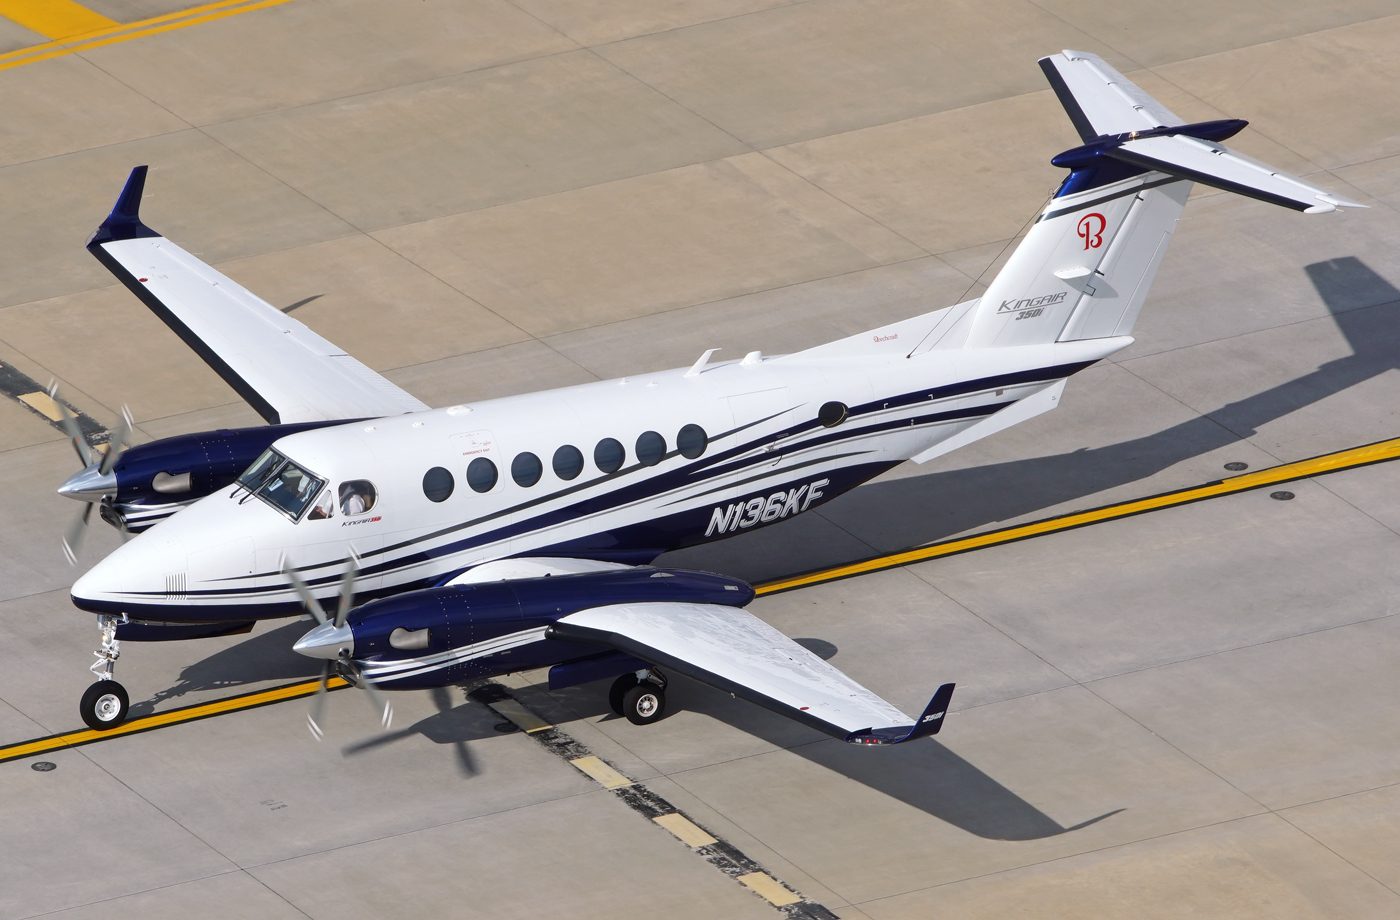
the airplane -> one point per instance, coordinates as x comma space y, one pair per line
510, 534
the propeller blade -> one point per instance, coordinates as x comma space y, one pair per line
377, 699
308, 599
347, 591
116, 441
73, 536
70, 428
318, 704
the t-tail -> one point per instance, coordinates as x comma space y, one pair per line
1083, 270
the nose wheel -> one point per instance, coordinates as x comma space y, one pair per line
105, 704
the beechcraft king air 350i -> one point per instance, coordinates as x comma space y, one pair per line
470, 541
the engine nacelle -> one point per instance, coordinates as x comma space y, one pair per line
156, 479
441, 636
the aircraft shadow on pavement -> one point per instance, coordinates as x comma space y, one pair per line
917, 510
896, 515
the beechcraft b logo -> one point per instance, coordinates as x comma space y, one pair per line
1091, 227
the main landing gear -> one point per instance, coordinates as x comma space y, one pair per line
105, 704
640, 696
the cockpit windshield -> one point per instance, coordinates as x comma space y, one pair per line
261, 470
281, 483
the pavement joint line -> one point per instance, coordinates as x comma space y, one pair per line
1338, 461
644, 801
121, 32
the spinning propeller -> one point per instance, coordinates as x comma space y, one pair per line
95, 480
333, 641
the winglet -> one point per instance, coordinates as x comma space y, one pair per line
124, 223
928, 723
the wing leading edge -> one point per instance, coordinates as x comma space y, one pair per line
286, 372
736, 652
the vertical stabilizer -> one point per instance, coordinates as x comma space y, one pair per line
1084, 269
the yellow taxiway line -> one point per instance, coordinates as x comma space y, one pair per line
1353, 458
99, 30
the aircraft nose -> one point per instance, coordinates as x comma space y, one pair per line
326, 641
89, 484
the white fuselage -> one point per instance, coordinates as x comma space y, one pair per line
766, 456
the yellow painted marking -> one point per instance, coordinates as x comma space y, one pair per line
510, 709
523, 718
42, 403
601, 773
55, 18
155, 25
1327, 463
768, 888
686, 830
173, 717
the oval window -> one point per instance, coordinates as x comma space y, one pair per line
525, 469
437, 484
692, 441
832, 414
609, 455
358, 496
482, 475
568, 462
651, 447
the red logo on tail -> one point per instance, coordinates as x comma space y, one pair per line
1091, 227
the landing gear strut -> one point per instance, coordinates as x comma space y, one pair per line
640, 696
105, 704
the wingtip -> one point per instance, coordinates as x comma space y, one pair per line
928, 723
124, 223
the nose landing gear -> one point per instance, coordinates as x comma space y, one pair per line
105, 704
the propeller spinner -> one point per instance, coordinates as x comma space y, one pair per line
95, 480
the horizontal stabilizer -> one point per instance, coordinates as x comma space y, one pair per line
929, 722
1120, 122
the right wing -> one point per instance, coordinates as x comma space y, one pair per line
738, 653
286, 372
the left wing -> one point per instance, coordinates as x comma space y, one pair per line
738, 653
286, 372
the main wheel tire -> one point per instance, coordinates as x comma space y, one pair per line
619, 689
644, 704
104, 705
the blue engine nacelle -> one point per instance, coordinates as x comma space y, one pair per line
441, 636
156, 479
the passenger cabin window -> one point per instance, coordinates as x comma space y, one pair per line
290, 489
357, 496
438, 484
651, 447
323, 508
525, 469
692, 441
609, 456
482, 475
568, 462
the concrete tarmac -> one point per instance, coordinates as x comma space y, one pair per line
1190, 712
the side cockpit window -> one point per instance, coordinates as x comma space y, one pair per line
357, 496
323, 508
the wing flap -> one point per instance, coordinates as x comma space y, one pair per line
734, 651
286, 372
